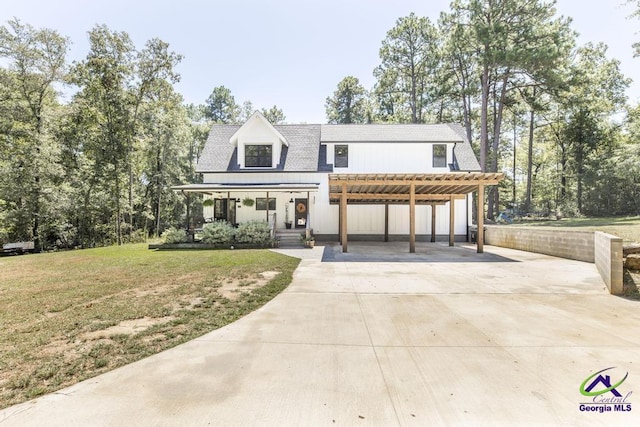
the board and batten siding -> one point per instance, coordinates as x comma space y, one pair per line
390, 157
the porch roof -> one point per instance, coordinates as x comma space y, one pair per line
396, 188
247, 187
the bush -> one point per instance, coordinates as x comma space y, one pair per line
255, 233
173, 235
218, 233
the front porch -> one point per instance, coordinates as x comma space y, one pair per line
288, 208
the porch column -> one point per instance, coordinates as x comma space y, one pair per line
412, 218
267, 207
343, 217
433, 223
228, 206
452, 222
386, 222
308, 224
480, 235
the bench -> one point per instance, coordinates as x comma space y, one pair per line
18, 248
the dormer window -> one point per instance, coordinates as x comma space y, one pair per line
258, 156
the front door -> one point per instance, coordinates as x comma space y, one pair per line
301, 213
225, 210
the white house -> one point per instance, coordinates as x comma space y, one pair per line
339, 182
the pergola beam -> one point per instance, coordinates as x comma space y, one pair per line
402, 197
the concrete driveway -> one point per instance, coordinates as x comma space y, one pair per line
383, 337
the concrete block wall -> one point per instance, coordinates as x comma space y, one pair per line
576, 245
608, 259
600, 248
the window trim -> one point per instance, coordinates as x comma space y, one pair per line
344, 157
258, 157
263, 200
434, 158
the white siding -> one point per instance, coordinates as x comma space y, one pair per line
396, 157
367, 219
255, 132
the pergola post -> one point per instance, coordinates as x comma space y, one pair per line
343, 217
452, 223
480, 235
433, 223
412, 218
386, 222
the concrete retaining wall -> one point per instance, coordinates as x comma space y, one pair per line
602, 249
608, 259
576, 245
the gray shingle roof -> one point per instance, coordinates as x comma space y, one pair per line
389, 133
463, 151
302, 155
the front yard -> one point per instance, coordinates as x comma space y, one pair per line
72, 315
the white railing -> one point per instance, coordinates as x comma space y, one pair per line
272, 224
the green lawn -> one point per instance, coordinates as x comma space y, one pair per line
626, 227
71, 315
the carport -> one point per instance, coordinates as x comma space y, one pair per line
412, 190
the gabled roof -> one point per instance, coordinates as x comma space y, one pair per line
256, 116
389, 133
304, 153
301, 155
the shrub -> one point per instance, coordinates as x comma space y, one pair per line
218, 233
173, 235
255, 233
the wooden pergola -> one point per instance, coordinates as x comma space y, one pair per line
412, 190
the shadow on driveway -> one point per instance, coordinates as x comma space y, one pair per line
399, 252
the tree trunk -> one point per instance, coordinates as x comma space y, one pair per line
527, 202
484, 106
118, 206
494, 194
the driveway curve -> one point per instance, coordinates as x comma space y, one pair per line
382, 337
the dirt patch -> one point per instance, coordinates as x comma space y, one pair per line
127, 327
232, 289
631, 280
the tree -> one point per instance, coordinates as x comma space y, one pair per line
221, 106
512, 44
348, 103
274, 115
36, 61
597, 92
409, 55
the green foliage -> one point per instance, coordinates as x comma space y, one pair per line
409, 56
348, 103
274, 115
173, 235
218, 233
221, 106
254, 232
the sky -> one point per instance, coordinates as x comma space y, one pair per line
289, 53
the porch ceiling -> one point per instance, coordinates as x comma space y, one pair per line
396, 188
249, 187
